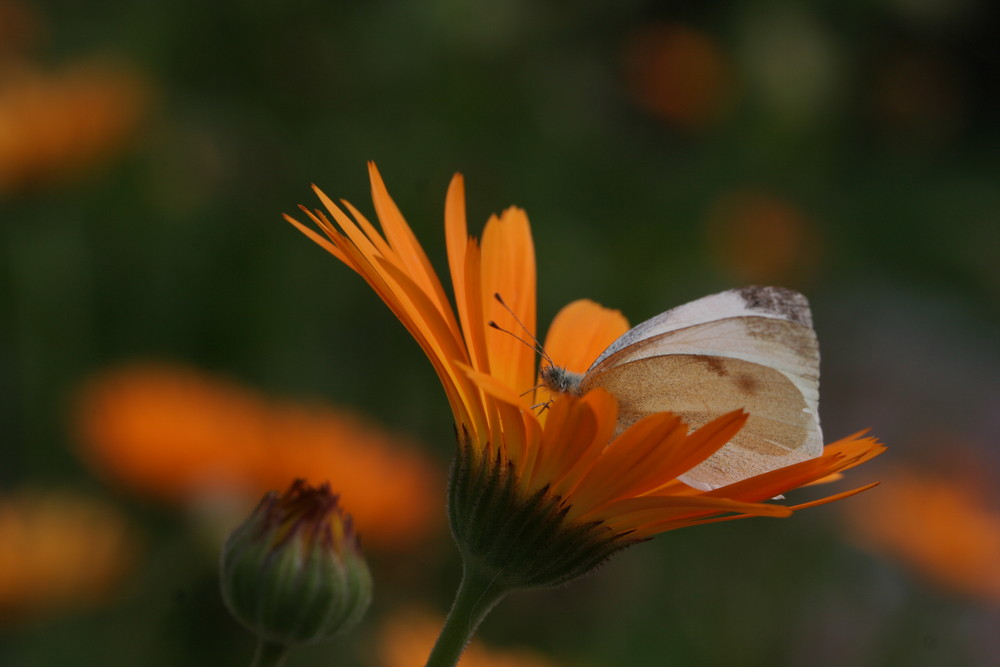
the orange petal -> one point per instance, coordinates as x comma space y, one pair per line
577, 465
571, 429
474, 325
701, 444
491, 385
508, 269
401, 238
464, 262
367, 227
648, 513
361, 233
626, 463
515, 430
838, 456
431, 331
700, 519
835, 497
317, 239
829, 479
580, 332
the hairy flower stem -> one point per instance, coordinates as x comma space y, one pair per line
269, 654
477, 595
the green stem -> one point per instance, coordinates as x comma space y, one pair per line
269, 654
477, 595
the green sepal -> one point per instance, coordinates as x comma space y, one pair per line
522, 540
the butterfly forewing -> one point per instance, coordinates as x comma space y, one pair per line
772, 302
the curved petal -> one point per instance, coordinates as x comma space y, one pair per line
491, 385
577, 464
411, 254
580, 332
627, 462
838, 456
571, 429
508, 270
648, 511
464, 262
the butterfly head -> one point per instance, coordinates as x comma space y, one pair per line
558, 380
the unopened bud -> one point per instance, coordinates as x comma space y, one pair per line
293, 571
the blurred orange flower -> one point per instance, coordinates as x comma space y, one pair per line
677, 73
58, 550
936, 525
57, 125
182, 435
407, 637
762, 239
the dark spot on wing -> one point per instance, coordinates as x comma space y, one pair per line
715, 364
747, 383
785, 303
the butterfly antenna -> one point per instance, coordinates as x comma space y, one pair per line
535, 345
494, 325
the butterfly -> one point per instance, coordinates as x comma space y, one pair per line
752, 348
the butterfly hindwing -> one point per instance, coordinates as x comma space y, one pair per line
780, 431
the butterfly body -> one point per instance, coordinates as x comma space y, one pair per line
558, 380
752, 348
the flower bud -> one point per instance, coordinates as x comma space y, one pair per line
293, 571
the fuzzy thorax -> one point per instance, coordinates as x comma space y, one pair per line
558, 380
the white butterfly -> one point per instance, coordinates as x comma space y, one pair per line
751, 348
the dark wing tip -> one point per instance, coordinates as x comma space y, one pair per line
779, 301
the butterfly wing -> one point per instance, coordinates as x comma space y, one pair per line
751, 348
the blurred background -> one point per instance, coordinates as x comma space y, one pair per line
170, 348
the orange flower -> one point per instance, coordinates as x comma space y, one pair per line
58, 550
939, 527
557, 461
178, 434
410, 634
540, 496
57, 125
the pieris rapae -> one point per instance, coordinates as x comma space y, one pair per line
751, 348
